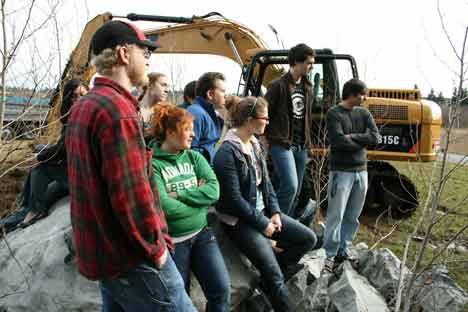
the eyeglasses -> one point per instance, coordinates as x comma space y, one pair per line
146, 52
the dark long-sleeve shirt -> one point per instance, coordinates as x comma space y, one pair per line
350, 131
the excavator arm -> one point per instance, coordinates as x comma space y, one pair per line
211, 34
77, 67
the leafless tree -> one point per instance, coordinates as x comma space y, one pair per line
18, 28
176, 77
409, 288
28, 69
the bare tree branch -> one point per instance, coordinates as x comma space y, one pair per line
442, 22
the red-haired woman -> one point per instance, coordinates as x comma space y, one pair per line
188, 187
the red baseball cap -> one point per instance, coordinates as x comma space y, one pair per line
115, 33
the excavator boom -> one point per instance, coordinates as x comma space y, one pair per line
211, 34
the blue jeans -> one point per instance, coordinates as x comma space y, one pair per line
146, 289
289, 167
201, 255
10, 223
346, 197
40, 178
38, 195
295, 239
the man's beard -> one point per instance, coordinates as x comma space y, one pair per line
137, 77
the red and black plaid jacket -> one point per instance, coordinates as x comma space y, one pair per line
115, 211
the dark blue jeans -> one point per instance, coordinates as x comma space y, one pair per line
289, 167
44, 185
146, 289
295, 239
201, 255
41, 176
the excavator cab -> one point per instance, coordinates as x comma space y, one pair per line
329, 73
324, 76
388, 189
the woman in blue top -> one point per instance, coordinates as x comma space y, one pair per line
248, 207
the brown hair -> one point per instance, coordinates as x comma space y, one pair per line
168, 117
152, 78
240, 109
299, 53
207, 82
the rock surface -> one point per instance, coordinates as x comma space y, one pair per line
382, 268
34, 276
353, 293
314, 261
441, 293
38, 279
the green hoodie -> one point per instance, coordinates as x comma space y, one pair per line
181, 173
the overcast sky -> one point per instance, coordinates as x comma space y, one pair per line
397, 43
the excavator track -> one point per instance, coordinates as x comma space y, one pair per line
390, 191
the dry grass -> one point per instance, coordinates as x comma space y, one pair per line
459, 141
11, 181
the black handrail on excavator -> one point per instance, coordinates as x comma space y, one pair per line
325, 54
167, 19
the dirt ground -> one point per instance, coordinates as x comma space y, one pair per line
458, 141
11, 180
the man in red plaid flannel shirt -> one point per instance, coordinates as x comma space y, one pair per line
120, 231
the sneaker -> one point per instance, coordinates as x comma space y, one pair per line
348, 256
328, 266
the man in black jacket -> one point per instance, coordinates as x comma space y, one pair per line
290, 101
351, 128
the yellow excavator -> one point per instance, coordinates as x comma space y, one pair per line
410, 127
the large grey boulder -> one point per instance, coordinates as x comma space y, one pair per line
316, 298
353, 293
297, 287
314, 261
382, 269
439, 292
33, 275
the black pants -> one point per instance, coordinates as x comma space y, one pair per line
295, 239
